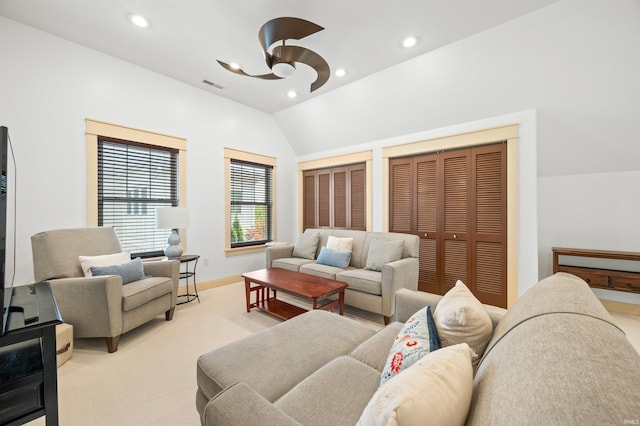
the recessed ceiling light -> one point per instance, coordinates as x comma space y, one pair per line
340, 72
138, 20
409, 42
292, 94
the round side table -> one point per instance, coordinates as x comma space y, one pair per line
187, 259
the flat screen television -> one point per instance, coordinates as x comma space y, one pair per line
7, 224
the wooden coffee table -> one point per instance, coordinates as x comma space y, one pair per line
294, 283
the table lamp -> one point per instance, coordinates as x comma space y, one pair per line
172, 218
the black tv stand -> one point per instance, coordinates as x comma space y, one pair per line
23, 302
29, 313
31, 390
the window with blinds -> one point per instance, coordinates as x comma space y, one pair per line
133, 180
251, 203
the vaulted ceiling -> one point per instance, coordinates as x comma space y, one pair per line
185, 39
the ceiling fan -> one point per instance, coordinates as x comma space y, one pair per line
282, 59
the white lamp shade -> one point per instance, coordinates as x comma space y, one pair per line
172, 217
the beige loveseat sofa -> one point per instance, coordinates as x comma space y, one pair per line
554, 358
101, 306
369, 289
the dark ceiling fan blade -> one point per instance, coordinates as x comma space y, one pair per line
292, 54
282, 29
285, 28
239, 71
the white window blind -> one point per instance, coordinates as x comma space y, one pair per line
251, 203
133, 180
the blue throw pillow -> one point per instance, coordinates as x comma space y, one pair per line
418, 337
339, 259
129, 271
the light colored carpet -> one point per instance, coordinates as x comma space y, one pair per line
151, 379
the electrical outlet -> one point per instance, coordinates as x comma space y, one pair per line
205, 261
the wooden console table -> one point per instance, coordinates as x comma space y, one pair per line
608, 279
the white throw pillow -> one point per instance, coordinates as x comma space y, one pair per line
461, 318
340, 244
436, 390
86, 262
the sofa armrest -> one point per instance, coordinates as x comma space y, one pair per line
402, 273
239, 404
408, 302
277, 252
93, 305
165, 268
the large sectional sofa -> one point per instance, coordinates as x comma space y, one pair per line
369, 289
554, 358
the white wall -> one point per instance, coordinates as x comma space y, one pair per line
574, 62
48, 86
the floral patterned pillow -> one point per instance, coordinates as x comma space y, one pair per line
418, 337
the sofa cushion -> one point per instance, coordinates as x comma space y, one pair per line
86, 262
137, 293
340, 244
335, 394
417, 338
382, 252
128, 271
306, 245
375, 350
274, 360
319, 270
461, 318
436, 390
290, 263
362, 280
330, 257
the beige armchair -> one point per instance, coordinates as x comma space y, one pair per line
101, 306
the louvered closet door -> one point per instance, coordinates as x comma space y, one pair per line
340, 197
401, 191
455, 208
456, 203
335, 197
309, 205
489, 240
426, 168
357, 197
324, 198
